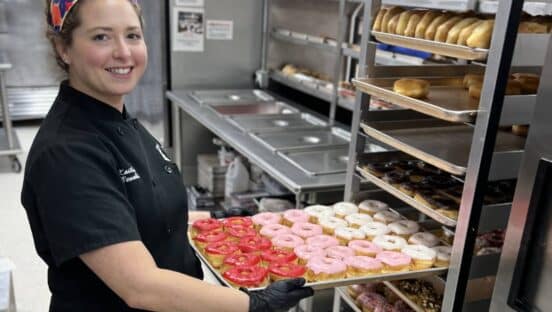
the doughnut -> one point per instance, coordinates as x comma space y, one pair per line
379, 170
217, 251
239, 221
355, 290
520, 130
414, 88
272, 230
444, 28
369, 301
387, 17
394, 261
305, 252
390, 242
481, 35
371, 207
385, 307
528, 27
470, 79
339, 252
289, 70
422, 257
365, 248
358, 266
401, 306
254, 244
344, 209
424, 238
428, 17
443, 256
237, 232
202, 239
205, 225
454, 32
316, 212
413, 21
347, 234
329, 224
287, 241
466, 32
432, 27
392, 25
356, 220
387, 217
404, 228
240, 259
324, 268
374, 229
247, 276
277, 255
529, 82
394, 178
281, 271
265, 218
294, 215
322, 241
306, 230
402, 23
379, 19
408, 188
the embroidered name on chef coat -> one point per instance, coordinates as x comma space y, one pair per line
162, 152
129, 175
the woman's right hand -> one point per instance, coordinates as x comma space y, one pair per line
279, 296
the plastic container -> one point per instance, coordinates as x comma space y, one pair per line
237, 177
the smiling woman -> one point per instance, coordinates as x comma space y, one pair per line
106, 205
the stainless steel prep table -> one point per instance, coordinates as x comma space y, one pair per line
9, 144
279, 168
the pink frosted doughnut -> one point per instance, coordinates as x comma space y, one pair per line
306, 230
365, 248
326, 265
322, 241
394, 261
272, 230
266, 218
305, 252
287, 241
339, 252
363, 263
293, 216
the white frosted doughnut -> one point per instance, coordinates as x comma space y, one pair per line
420, 252
344, 209
424, 238
404, 227
357, 220
387, 217
349, 233
390, 242
373, 229
372, 207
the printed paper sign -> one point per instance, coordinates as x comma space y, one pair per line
220, 30
188, 29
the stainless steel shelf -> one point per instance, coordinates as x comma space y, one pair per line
318, 92
341, 292
461, 5
305, 42
447, 146
4, 62
284, 172
5, 149
530, 7
30, 103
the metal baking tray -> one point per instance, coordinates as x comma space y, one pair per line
317, 163
303, 140
442, 144
441, 48
447, 98
222, 97
435, 281
276, 123
533, 8
260, 108
387, 156
334, 283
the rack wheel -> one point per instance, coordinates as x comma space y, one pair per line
15, 164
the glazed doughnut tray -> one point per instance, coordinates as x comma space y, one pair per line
445, 145
441, 48
447, 99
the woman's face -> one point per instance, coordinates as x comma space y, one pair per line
108, 55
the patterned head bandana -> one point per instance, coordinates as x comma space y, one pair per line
59, 9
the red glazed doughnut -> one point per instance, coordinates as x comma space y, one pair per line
215, 252
238, 259
205, 225
280, 271
256, 244
237, 232
202, 239
278, 256
247, 276
241, 221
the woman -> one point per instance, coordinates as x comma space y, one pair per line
105, 204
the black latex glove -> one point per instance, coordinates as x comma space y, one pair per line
234, 212
279, 296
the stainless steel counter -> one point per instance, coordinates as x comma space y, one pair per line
280, 169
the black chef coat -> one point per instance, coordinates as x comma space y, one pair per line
95, 177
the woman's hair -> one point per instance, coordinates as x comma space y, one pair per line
71, 22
